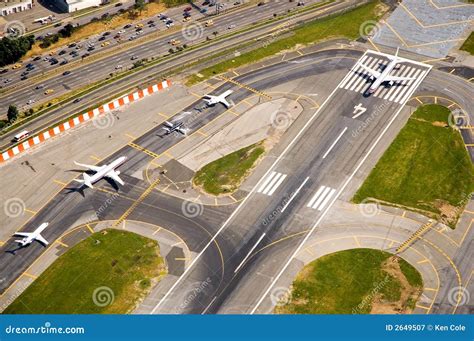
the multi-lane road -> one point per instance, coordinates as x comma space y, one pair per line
300, 180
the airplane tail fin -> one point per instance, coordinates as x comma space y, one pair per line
86, 180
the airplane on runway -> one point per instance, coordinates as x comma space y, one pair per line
212, 100
32, 236
105, 171
384, 76
172, 127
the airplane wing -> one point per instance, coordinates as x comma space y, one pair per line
91, 167
114, 176
224, 101
181, 130
398, 79
22, 234
373, 72
41, 239
168, 124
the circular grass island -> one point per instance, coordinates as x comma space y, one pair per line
356, 281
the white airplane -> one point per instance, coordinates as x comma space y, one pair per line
212, 100
384, 76
172, 127
105, 171
31, 236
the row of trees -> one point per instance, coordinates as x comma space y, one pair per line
12, 49
65, 32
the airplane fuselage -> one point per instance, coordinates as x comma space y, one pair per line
31, 238
110, 167
386, 72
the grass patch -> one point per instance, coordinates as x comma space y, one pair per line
348, 282
122, 261
92, 28
340, 25
224, 175
468, 45
426, 168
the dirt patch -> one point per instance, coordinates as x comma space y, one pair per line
449, 213
408, 293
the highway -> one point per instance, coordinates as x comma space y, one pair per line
122, 59
70, 107
317, 159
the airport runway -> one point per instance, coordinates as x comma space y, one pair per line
306, 173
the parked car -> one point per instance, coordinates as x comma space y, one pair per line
65, 73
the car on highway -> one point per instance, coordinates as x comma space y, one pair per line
102, 38
91, 48
8, 80
37, 58
4, 71
16, 66
230, 27
187, 9
61, 52
72, 45
185, 19
105, 34
134, 57
65, 73
30, 102
118, 67
203, 10
24, 78
41, 86
21, 136
118, 4
48, 92
24, 73
121, 32
205, 3
64, 62
127, 26
150, 22
77, 100
53, 61
85, 55
139, 25
105, 43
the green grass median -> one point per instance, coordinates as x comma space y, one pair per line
107, 273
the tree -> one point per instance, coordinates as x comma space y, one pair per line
12, 113
139, 5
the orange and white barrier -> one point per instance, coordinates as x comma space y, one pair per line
73, 122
